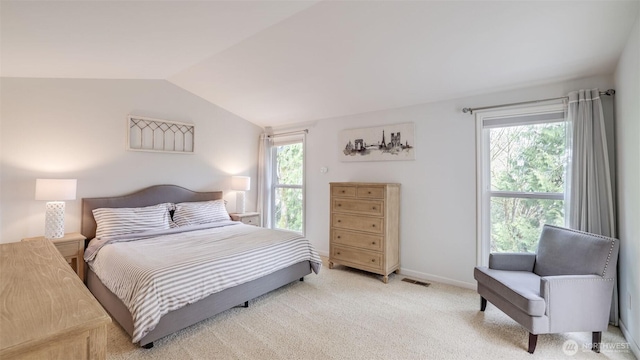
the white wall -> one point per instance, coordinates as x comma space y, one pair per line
70, 128
627, 80
438, 194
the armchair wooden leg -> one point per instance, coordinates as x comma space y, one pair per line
483, 303
596, 339
533, 340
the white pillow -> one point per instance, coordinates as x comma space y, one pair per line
200, 212
121, 221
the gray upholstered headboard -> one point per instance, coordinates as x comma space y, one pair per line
152, 195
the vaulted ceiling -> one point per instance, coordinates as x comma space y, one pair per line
279, 62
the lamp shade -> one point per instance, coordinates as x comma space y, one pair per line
240, 183
56, 189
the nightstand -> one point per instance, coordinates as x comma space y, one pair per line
71, 246
250, 218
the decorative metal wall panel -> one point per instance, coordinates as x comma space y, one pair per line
146, 134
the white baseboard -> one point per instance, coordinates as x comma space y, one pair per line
430, 277
632, 344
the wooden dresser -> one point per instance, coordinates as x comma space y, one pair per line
46, 312
71, 246
365, 227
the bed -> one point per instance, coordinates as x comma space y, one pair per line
238, 273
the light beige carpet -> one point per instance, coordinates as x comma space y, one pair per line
349, 314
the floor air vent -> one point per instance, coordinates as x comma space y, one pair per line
415, 282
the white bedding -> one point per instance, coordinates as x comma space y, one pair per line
155, 274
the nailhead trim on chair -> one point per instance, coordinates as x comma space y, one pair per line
577, 280
608, 258
612, 240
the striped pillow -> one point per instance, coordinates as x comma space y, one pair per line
201, 212
122, 221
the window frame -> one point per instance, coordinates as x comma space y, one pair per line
483, 169
282, 141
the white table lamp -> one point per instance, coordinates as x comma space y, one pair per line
240, 184
56, 191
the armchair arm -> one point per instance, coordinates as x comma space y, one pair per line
512, 261
577, 302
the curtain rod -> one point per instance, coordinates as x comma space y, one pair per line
609, 92
305, 131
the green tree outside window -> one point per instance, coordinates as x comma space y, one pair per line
288, 187
530, 159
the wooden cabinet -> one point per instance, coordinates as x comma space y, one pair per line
250, 218
46, 311
365, 227
71, 246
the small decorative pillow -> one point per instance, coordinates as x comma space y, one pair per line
122, 221
200, 212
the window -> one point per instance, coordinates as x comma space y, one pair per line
522, 158
287, 207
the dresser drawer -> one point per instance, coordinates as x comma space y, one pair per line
360, 240
362, 223
366, 207
251, 220
343, 191
365, 258
370, 192
68, 249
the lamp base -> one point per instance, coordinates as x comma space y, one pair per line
240, 202
54, 220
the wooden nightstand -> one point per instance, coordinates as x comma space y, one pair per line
250, 218
71, 246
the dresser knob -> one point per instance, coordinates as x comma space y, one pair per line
373, 208
374, 225
369, 192
373, 243
338, 253
339, 237
373, 260
339, 220
342, 191
339, 205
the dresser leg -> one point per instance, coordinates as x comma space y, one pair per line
385, 279
330, 265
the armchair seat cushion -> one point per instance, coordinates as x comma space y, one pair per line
520, 288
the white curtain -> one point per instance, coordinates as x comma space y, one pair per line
589, 202
265, 176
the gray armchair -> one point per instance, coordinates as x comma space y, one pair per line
566, 286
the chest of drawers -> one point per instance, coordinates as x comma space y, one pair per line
364, 230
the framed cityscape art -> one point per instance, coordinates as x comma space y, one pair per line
379, 143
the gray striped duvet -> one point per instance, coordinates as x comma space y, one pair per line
155, 275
